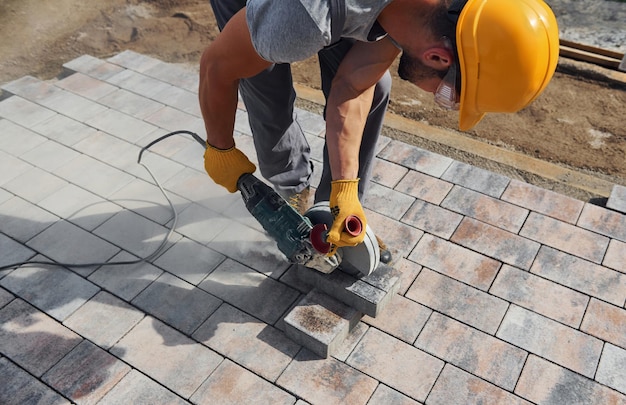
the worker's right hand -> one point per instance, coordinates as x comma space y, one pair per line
226, 166
345, 204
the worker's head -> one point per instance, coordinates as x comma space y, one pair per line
486, 56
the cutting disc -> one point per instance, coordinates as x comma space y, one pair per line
360, 259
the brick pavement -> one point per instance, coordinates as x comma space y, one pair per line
510, 293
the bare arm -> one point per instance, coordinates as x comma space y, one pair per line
229, 58
350, 101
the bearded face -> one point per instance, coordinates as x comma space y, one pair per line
413, 70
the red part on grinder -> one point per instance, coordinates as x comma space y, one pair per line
318, 238
353, 225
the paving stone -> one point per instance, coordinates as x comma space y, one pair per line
131, 103
109, 149
543, 201
396, 364
5, 297
32, 339
612, 368
388, 174
94, 176
617, 199
50, 155
234, 385
606, 322
603, 221
432, 219
415, 158
544, 382
260, 348
179, 98
401, 318
250, 291
64, 130
138, 83
30, 88
121, 125
311, 123
540, 295
349, 343
399, 238
549, 339
190, 261
581, 275
176, 74
104, 319
86, 373
320, 323
54, 290
92, 66
12, 252
24, 112
34, 185
22, 220
11, 167
441, 293
291, 278
201, 224
177, 303
455, 261
486, 209
19, 387
125, 281
424, 187
166, 355
86, 247
85, 86
387, 201
477, 179
133, 60
409, 271
326, 381
387, 396
136, 388
616, 256
454, 386
565, 237
473, 351
17, 140
72, 105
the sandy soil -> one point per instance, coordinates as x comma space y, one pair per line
578, 122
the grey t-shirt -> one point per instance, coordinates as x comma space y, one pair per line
285, 31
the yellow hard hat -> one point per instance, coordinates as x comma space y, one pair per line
508, 52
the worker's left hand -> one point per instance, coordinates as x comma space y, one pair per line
344, 203
225, 166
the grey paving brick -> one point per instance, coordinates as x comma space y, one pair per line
17, 140
109, 149
455, 261
603, 221
311, 123
201, 224
432, 219
180, 99
441, 293
544, 382
54, 290
136, 388
34, 185
11, 167
326, 381
32, 339
250, 291
133, 60
104, 319
12, 252
167, 356
50, 155
5, 297
24, 112
233, 384
388, 174
64, 130
401, 318
94, 176
473, 351
138, 83
454, 386
23, 220
72, 105
30, 88
540, 295
416, 158
399, 238
424, 187
85, 86
130, 103
180, 75
612, 368
86, 373
565, 237
616, 256
177, 303
349, 343
387, 396
92, 66
581, 275
497, 243
260, 348
409, 271
396, 364
387, 201
477, 179
190, 261
549, 339
121, 125
19, 387
617, 199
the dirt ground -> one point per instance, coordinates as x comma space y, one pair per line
577, 122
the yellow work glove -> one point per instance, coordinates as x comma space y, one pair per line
225, 166
344, 203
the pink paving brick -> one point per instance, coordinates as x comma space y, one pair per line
495, 242
388, 174
565, 237
424, 187
409, 271
586, 277
402, 318
415, 158
486, 209
603, 221
396, 364
606, 321
387, 396
86, 86
455, 386
473, 351
544, 382
432, 219
543, 201
93, 67
455, 261
554, 341
399, 238
540, 295
326, 381
386, 201
616, 256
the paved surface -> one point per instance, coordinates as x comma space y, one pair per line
510, 294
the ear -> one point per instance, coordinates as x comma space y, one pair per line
438, 57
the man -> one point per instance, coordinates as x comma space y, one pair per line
474, 55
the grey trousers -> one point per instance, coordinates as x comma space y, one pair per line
282, 149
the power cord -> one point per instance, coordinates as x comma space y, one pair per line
128, 262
